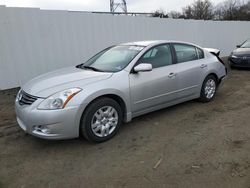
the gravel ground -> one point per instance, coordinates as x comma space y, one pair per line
188, 145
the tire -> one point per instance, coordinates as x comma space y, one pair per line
97, 117
210, 84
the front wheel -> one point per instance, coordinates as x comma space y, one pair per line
101, 120
208, 89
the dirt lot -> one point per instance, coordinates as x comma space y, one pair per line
190, 145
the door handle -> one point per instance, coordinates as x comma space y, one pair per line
203, 66
171, 75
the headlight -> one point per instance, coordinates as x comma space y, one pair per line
18, 97
233, 56
58, 100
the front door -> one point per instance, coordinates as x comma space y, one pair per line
149, 89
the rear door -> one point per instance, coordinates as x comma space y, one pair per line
191, 67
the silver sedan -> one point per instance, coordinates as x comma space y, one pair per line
116, 85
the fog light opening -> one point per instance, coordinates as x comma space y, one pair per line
42, 128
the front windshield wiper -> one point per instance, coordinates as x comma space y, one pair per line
91, 68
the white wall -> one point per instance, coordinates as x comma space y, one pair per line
34, 41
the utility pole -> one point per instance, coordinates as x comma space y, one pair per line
118, 4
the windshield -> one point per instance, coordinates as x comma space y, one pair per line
112, 59
246, 44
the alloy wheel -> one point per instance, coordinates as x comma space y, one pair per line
210, 88
104, 121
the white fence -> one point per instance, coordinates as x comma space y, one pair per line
34, 41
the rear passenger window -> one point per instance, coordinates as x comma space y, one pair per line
200, 53
158, 56
185, 53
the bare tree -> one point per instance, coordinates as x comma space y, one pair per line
204, 10
218, 13
200, 10
233, 10
174, 14
160, 13
230, 9
243, 12
188, 12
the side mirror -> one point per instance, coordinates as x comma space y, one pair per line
143, 67
238, 46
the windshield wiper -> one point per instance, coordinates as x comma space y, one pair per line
92, 68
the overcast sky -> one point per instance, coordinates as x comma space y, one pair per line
101, 5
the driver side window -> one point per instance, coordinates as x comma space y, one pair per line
158, 56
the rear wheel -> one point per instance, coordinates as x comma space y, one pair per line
208, 89
101, 120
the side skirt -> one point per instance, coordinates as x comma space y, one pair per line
165, 105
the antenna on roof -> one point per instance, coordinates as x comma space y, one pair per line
118, 4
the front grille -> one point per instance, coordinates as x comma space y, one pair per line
246, 58
241, 60
244, 61
26, 99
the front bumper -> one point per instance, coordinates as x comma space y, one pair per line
49, 124
239, 62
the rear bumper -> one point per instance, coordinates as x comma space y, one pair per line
222, 80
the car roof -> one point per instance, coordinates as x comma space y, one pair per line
155, 42
142, 43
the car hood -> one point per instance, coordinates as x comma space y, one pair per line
241, 51
52, 82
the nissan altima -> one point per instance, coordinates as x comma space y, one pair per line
119, 83
240, 57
